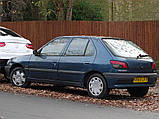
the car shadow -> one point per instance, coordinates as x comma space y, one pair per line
74, 91
4, 81
81, 92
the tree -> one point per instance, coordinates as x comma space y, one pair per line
31, 12
97, 10
71, 10
87, 10
134, 10
59, 9
13, 10
19, 10
43, 5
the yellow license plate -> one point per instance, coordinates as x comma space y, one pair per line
140, 80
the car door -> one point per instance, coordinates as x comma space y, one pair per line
77, 60
44, 66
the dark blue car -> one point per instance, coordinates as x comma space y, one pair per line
96, 63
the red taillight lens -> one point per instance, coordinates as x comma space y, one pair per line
2, 44
30, 46
119, 65
153, 66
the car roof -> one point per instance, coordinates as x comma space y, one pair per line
87, 36
3, 27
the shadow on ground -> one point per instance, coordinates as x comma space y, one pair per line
114, 95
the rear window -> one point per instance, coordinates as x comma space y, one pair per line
124, 48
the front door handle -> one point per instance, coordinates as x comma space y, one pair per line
54, 64
86, 62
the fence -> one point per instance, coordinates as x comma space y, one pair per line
145, 34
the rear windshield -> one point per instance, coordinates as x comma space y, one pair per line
124, 48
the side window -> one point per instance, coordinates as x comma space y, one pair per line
2, 33
55, 47
77, 47
6, 32
90, 49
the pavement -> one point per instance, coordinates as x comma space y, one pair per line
18, 106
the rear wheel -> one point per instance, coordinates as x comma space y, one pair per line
18, 77
97, 86
138, 91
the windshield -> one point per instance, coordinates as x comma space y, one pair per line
124, 48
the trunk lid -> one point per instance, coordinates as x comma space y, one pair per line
140, 65
14, 45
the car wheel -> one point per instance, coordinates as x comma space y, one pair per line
18, 77
138, 91
97, 86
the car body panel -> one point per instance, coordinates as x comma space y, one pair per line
43, 67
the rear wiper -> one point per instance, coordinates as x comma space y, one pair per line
140, 55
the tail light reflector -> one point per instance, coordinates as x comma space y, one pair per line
2, 44
153, 66
30, 46
119, 64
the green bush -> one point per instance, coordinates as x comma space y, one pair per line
87, 10
84, 10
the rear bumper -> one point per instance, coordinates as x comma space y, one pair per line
125, 80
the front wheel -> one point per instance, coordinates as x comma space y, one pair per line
97, 86
18, 77
138, 91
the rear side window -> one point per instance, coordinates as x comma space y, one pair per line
90, 50
55, 47
6, 32
77, 47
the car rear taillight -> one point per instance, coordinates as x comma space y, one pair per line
119, 64
153, 66
2, 44
30, 46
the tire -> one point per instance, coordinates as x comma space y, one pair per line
18, 77
138, 91
97, 86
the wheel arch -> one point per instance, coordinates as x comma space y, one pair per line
88, 74
14, 66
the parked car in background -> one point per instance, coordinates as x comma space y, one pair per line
12, 45
96, 63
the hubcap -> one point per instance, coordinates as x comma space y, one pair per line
18, 78
96, 86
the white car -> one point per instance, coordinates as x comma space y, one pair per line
12, 45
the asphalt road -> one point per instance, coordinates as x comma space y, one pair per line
31, 107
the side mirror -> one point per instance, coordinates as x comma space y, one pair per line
36, 53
